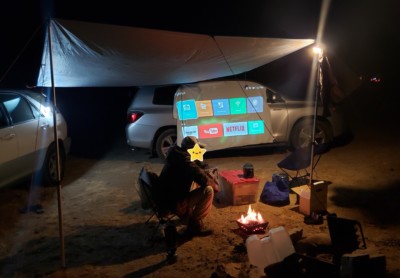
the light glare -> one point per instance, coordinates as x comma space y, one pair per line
45, 111
317, 50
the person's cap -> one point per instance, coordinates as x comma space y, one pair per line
190, 141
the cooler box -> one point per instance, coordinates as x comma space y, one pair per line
238, 190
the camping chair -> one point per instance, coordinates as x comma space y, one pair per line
299, 161
346, 236
145, 186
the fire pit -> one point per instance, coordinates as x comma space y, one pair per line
252, 223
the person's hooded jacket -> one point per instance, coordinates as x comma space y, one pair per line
177, 176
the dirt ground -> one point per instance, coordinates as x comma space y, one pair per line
103, 225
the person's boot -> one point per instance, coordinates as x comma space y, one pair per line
196, 228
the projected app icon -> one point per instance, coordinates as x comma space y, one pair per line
204, 108
220, 107
190, 131
210, 131
237, 105
256, 127
186, 109
235, 129
255, 104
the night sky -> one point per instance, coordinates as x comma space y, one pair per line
361, 33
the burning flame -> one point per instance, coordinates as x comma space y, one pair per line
252, 217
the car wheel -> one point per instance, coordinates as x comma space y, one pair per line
165, 140
49, 168
301, 134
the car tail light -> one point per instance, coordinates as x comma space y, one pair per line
134, 116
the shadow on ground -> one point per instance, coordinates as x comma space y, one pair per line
90, 245
378, 204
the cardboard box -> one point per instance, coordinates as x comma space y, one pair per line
238, 190
312, 198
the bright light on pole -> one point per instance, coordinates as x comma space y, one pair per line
317, 50
320, 54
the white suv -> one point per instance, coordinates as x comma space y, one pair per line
27, 142
151, 124
150, 121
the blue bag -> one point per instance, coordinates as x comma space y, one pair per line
281, 180
273, 195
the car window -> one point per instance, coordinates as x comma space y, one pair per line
17, 107
164, 95
3, 119
36, 111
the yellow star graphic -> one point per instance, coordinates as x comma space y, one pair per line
196, 153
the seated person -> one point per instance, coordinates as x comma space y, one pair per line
186, 188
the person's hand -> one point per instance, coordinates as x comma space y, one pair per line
214, 183
214, 180
216, 187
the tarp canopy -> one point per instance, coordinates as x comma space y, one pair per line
88, 54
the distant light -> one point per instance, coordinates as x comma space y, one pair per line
375, 80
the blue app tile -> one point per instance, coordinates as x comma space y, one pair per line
255, 104
186, 109
220, 106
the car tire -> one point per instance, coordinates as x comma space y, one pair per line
165, 140
49, 167
301, 134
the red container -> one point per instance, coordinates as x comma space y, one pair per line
237, 189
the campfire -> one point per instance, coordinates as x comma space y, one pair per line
252, 223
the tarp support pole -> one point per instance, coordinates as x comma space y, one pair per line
317, 92
60, 218
319, 58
